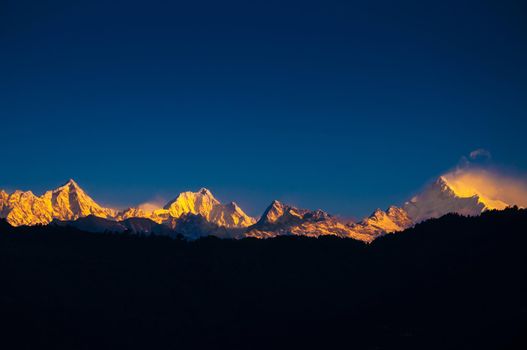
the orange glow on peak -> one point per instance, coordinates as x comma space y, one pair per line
494, 190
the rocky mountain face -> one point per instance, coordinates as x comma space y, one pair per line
280, 219
203, 203
70, 202
200, 203
197, 214
67, 202
438, 199
192, 214
381, 222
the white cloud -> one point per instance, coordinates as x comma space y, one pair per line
156, 203
480, 153
492, 184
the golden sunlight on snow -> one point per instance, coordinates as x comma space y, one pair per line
494, 191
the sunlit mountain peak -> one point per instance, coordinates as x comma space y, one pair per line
392, 220
71, 182
67, 202
454, 192
462, 193
205, 192
469, 185
205, 204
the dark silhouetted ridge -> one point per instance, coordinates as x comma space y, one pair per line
449, 283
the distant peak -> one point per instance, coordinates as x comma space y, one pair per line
320, 214
274, 211
70, 183
232, 205
377, 213
441, 180
392, 210
205, 191
276, 203
20, 192
443, 183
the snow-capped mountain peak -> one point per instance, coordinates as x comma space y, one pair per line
205, 204
67, 202
200, 202
273, 212
70, 202
277, 212
205, 192
438, 199
71, 184
392, 220
465, 187
201, 211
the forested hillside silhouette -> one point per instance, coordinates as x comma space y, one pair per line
449, 283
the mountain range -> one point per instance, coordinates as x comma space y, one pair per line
197, 214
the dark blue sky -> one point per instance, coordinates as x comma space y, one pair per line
345, 106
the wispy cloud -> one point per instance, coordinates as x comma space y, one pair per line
490, 184
480, 153
153, 204
472, 177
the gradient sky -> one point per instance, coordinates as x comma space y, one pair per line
345, 106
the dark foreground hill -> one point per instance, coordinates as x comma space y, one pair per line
450, 283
